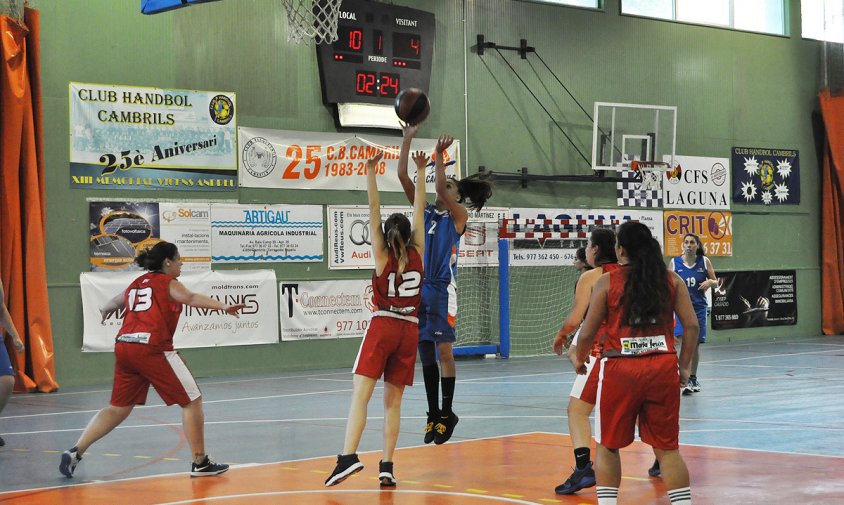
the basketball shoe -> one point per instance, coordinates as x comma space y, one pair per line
70, 458
429, 427
207, 468
580, 479
385, 475
347, 465
654, 471
693, 382
445, 427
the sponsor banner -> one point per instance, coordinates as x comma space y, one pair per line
560, 251
348, 234
188, 225
479, 243
715, 230
765, 176
132, 137
325, 309
312, 160
351, 247
698, 183
118, 231
258, 322
753, 299
266, 233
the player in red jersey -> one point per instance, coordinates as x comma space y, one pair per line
144, 356
638, 374
600, 257
389, 347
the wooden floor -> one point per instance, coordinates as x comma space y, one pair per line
505, 469
766, 429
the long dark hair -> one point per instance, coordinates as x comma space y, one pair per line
476, 188
646, 292
153, 258
397, 235
604, 239
699, 251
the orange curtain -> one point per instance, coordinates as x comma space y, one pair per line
22, 203
832, 208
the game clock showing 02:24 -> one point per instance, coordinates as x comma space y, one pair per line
380, 50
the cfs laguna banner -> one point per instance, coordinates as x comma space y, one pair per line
151, 138
752, 299
257, 324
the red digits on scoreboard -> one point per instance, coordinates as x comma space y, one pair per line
355, 39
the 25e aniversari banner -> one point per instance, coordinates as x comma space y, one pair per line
151, 138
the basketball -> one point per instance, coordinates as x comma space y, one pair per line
412, 105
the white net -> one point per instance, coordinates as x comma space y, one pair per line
312, 20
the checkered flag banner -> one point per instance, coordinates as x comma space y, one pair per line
629, 192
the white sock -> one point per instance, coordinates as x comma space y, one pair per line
680, 496
607, 495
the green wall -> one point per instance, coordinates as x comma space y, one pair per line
732, 88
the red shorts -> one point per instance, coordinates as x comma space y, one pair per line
389, 348
647, 388
138, 365
585, 387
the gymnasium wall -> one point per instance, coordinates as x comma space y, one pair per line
732, 89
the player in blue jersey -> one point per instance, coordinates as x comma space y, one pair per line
445, 222
697, 272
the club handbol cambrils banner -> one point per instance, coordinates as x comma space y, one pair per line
325, 309
257, 324
699, 183
132, 137
118, 231
752, 299
766, 176
312, 160
548, 248
351, 247
266, 233
714, 228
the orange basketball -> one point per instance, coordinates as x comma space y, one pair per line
412, 105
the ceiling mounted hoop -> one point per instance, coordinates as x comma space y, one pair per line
312, 20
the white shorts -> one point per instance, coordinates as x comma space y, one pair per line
579, 386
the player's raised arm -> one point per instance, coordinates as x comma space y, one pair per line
418, 230
408, 131
376, 233
459, 214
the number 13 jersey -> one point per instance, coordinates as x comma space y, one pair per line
151, 315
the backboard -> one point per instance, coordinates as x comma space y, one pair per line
626, 132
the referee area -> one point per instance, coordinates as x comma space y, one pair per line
765, 429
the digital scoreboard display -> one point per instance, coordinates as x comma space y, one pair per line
380, 50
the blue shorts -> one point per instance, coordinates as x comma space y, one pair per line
437, 313
5, 362
701, 321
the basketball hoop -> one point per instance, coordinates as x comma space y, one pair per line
649, 173
312, 19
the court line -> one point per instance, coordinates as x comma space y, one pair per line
332, 491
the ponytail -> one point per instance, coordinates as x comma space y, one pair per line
646, 292
397, 244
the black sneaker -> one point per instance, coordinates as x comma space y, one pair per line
385, 475
2, 442
654, 471
579, 479
207, 468
347, 465
70, 458
429, 427
445, 427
